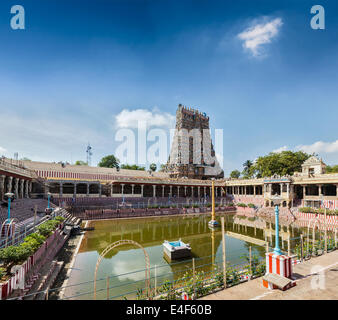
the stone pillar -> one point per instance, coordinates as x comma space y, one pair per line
320, 189
254, 189
304, 192
122, 189
205, 192
9, 184
281, 188
27, 189
154, 190
288, 190
336, 190
100, 190
163, 186
2, 186
22, 181
244, 190
199, 191
178, 191
88, 191
132, 188
142, 186
74, 194
171, 191
210, 191
16, 187
192, 191
61, 189
30, 187
185, 191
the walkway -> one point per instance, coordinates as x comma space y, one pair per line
317, 279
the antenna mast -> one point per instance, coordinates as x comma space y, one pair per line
89, 154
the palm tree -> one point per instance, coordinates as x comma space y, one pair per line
247, 165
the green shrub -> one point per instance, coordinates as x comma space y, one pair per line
2, 272
59, 219
47, 227
14, 255
243, 205
251, 205
34, 240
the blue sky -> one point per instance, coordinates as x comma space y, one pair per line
80, 64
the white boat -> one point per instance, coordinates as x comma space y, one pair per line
176, 249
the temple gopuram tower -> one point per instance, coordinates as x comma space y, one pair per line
192, 154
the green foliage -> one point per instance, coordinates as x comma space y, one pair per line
47, 227
34, 241
2, 272
240, 204
59, 219
332, 169
81, 163
283, 163
247, 172
319, 211
18, 254
14, 255
109, 162
168, 289
132, 167
153, 167
251, 205
233, 276
235, 174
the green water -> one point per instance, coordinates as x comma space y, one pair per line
125, 264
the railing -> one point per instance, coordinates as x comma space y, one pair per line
7, 166
204, 277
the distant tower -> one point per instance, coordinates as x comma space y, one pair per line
191, 142
89, 154
16, 156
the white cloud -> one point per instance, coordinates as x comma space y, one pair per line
281, 149
320, 147
130, 118
260, 34
2, 150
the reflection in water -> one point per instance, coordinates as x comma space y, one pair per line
125, 264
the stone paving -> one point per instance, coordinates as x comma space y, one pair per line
317, 279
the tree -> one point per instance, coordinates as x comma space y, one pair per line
283, 163
248, 171
80, 163
25, 159
153, 167
109, 162
332, 169
235, 174
132, 167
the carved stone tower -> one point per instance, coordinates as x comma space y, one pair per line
192, 153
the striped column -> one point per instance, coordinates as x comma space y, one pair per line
278, 264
